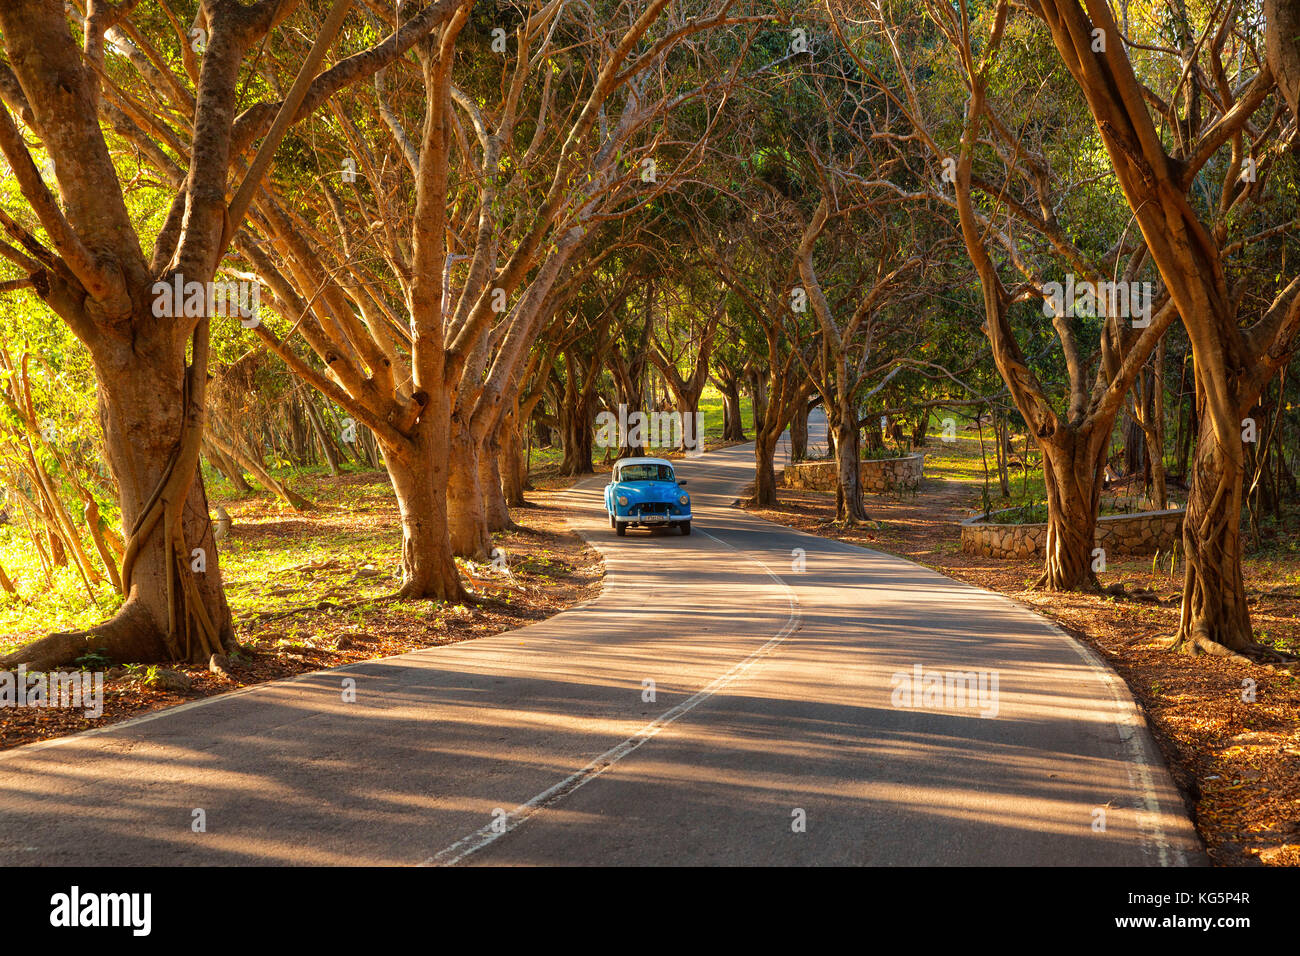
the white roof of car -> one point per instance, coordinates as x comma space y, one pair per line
642, 461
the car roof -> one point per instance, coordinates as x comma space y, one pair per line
642, 461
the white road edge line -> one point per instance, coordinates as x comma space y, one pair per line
1130, 726
499, 827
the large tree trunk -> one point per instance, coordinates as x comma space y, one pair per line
1134, 446
512, 463
1156, 464
1072, 470
175, 607
495, 508
420, 484
733, 424
849, 506
1154, 428
692, 423
542, 428
758, 398
1283, 43
298, 437
875, 441
765, 470
576, 433
799, 433
687, 393
466, 515
629, 391
1215, 614
1187, 434
920, 429
1002, 435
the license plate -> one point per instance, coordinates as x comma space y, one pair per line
653, 519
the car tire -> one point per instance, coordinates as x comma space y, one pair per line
685, 526
620, 529
612, 522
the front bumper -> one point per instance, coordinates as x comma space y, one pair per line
652, 520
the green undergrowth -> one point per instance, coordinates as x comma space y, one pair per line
345, 554
39, 609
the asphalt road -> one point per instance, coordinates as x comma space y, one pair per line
775, 732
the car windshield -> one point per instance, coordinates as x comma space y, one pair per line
645, 473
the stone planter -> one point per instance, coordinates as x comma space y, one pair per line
1143, 533
877, 476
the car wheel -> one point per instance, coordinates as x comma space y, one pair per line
612, 522
686, 527
620, 530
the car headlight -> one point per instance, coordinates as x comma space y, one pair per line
684, 500
622, 500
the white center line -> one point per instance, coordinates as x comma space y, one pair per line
491, 832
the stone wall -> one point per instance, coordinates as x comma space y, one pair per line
878, 477
1136, 534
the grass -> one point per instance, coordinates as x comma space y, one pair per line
345, 554
293, 559
962, 460
39, 609
712, 408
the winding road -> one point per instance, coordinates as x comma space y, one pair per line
732, 697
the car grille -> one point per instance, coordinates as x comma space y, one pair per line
657, 508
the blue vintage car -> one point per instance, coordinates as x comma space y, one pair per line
645, 493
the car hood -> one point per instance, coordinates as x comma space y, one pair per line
649, 490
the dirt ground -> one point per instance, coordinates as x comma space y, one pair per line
1237, 762
311, 591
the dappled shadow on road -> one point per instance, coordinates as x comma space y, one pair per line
436, 741
429, 750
